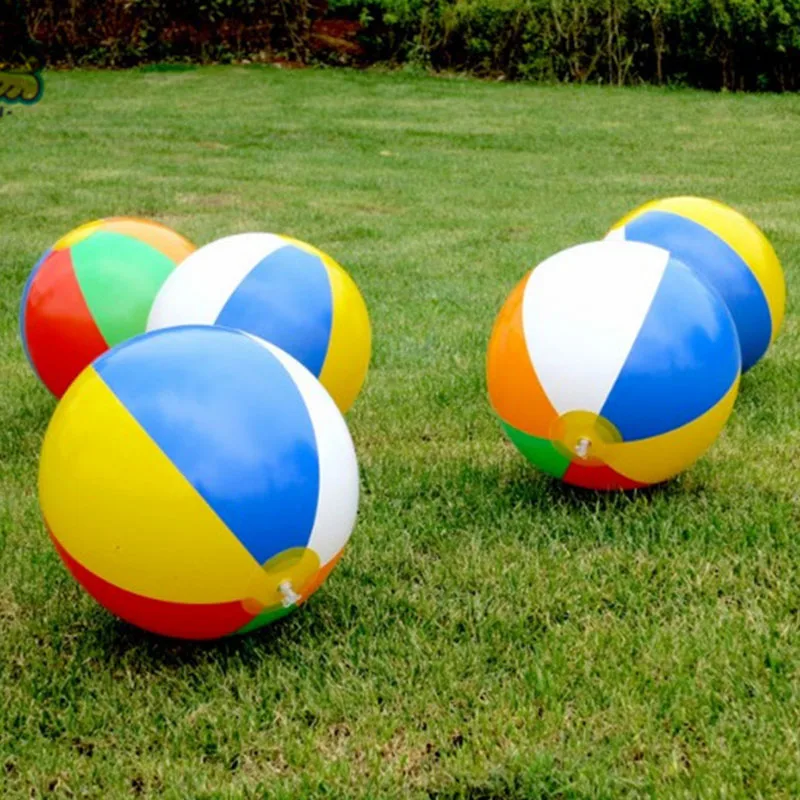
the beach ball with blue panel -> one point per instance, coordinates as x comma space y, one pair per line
725, 249
282, 290
198, 482
612, 366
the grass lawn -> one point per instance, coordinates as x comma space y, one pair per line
489, 633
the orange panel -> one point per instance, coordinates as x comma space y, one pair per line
514, 389
319, 578
169, 242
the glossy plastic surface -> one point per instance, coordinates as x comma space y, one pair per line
93, 290
283, 291
726, 250
612, 366
197, 477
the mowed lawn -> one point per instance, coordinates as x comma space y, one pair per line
489, 633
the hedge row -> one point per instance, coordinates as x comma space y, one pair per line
118, 33
735, 44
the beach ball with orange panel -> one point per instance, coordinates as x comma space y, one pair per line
613, 366
92, 290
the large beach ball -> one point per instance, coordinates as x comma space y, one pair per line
92, 290
612, 366
198, 482
724, 248
282, 290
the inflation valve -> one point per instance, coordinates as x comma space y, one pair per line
288, 595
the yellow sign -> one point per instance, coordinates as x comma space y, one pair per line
20, 87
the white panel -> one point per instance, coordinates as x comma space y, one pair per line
197, 290
581, 313
337, 505
618, 234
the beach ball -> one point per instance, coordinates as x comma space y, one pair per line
92, 290
198, 482
725, 249
612, 366
285, 292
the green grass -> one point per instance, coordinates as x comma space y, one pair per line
490, 633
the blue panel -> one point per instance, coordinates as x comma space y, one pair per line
720, 265
286, 299
23, 304
684, 360
230, 418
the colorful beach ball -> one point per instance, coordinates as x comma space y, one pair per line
198, 482
285, 292
612, 366
724, 248
92, 290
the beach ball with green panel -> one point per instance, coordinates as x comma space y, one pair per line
92, 290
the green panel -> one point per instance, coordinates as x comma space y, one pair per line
119, 277
540, 452
265, 617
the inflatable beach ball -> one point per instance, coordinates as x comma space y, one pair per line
198, 482
92, 290
728, 251
612, 366
285, 292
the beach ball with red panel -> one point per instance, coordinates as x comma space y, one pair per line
92, 290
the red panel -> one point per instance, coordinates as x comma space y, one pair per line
598, 477
61, 335
179, 620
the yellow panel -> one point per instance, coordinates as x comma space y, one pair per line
78, 235
124, 511
309, 248
740, 234
584, 433
660, 457
350, 345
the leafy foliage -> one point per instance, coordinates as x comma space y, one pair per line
733, 44
130, 32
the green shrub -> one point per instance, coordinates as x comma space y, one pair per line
734, 44
127, 32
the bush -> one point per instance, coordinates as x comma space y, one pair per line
734, 44
128, 32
